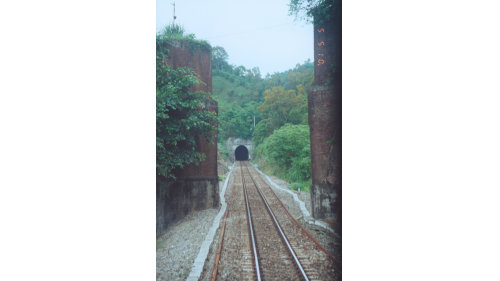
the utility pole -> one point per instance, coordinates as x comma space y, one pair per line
254, 121
174, 12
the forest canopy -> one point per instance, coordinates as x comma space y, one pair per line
270, 109
241, 93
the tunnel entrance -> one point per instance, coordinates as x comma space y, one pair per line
241, 153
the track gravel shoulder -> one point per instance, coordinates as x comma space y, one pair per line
207, 268
183, 239
182, 242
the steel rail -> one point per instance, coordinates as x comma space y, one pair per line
249, 217
276, 224
335, 261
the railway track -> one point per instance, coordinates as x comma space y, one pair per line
262, 241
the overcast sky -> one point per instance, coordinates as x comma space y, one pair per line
273, 49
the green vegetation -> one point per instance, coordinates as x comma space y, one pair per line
159, 244
264, 129
295, 186
288, 150
177, 32
303, 185
287, 143
280, 105
241, 93
277, 103
178, 120
321, 10
222, 149
222, 178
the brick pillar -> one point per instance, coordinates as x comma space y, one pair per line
196, 187
200, 60
325, 122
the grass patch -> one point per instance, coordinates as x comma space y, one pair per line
177, 32
222, 178
280, 172
159, 245
303, 185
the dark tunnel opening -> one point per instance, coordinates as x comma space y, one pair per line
241, 153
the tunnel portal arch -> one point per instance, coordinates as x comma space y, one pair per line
241, 153
234, 143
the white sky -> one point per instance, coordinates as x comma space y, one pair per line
273, 49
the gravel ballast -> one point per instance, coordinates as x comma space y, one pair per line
182, 240
316, 228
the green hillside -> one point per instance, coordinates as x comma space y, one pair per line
276, 103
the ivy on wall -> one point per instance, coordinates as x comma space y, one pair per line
179, 121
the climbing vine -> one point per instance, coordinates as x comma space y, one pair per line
179, 120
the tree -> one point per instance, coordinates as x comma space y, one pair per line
240, 71
239, 119
274, 80
299, 75
321, 10
240, 92
278, 105
263, 130
256, 72
219, 58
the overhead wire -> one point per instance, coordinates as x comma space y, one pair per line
245, 31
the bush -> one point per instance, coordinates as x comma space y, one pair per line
287, 151
221, 146
222, 178
295, 186
286, 143
301, 168
303, 185
257, 153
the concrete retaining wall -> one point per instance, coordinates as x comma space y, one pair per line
176, 199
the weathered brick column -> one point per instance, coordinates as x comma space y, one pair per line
197, 186
325, 123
